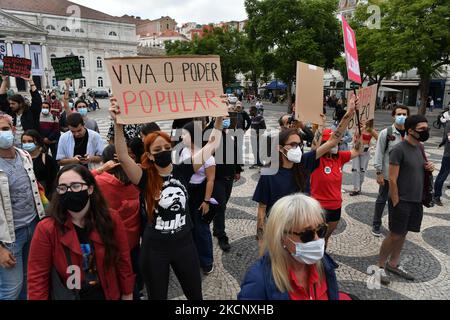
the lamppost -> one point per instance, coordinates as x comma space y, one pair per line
46, 79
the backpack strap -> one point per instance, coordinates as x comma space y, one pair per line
390, 131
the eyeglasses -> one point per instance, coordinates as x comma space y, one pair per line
310, 234
74, 187
294, 145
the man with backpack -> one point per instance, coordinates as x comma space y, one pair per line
387, 140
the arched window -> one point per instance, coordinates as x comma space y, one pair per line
112, 33
50, 27
80, 30
99, 63
65, 29
52, 56
100, 82
82, 62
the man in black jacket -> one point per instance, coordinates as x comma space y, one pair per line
25, 117
227, 172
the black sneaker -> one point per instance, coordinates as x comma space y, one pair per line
438, 202
376, 232
208, 270
355, 193
224, 244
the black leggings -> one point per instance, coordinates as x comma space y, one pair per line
181, 255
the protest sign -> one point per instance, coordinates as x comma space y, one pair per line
367, 103
36, 58
67, 68
351, 52
16, 67
166, 88
309, 93
2, 53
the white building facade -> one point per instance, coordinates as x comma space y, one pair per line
41, 36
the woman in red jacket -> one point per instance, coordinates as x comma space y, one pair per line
123, 198
95, 240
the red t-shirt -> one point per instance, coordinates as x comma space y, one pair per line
326, 180
317, 289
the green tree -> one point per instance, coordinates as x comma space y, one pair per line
229, 45
413, 34
287, 31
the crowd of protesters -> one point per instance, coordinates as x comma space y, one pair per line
125, 212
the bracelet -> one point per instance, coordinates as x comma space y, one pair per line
207, 201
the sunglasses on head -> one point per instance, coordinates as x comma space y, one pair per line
310, 234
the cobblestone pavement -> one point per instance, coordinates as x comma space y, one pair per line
425, 255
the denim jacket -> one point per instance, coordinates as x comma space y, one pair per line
7, 230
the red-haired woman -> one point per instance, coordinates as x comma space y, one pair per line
167, 239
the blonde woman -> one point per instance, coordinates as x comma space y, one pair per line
293, 265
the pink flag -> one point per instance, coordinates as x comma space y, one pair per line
351, 52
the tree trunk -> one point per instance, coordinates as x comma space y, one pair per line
255, 83
289, 96
378, 89
424, 89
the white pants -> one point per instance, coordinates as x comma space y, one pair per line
360, 165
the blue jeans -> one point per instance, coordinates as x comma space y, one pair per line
13, 282
443, 174
202, 231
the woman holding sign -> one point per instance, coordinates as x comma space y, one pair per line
167, 240
295, 167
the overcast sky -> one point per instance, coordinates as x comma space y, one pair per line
200, 11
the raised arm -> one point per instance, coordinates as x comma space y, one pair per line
357, 145
133, 171
339, 133
4, 86
67, 84
211, 147
36, 99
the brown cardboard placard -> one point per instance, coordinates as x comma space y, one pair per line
367, 104
166, 88
309, 93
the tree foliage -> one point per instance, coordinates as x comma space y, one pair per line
287, 31
231, 46
413, 34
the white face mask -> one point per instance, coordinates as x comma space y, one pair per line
295, 155
335, 150
310, 252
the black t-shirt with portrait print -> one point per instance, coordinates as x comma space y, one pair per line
171, 215
91, 288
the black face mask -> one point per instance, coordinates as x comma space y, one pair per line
163, 159
423, 135
74, 201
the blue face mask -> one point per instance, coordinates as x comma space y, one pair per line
226, 123
400, 120
6, 139
30, 147
83, 111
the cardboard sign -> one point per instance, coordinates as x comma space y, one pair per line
309, 93
67, 68
367, 103
17, 67
351, 52
166, 88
